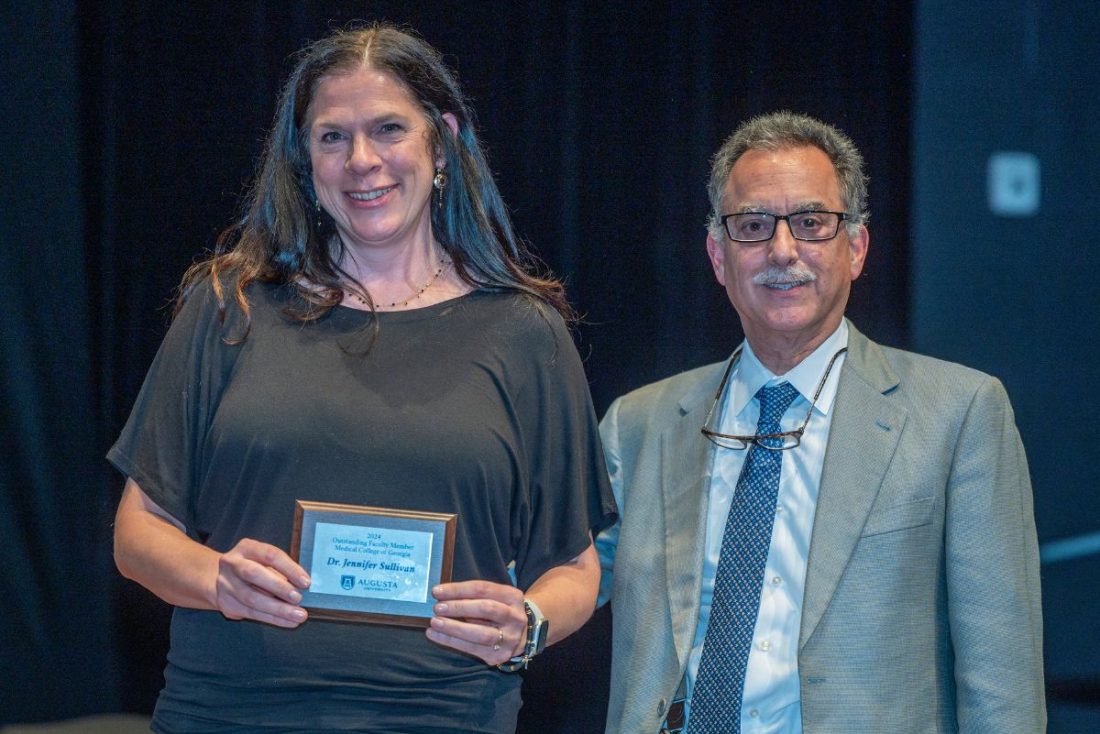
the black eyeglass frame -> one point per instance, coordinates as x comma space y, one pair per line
776, 218
756, 439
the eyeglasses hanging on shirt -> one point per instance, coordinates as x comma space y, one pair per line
787, 439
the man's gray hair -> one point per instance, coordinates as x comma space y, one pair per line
787, 129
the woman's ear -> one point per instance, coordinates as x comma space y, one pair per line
452, 122
452, 125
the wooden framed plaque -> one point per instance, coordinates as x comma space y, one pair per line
372, 564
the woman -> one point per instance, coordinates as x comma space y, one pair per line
367, 334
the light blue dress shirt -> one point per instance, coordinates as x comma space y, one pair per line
771, 697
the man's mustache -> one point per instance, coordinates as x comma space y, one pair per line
784, 276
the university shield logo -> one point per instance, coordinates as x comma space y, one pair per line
347, 582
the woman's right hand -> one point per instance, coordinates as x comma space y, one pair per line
252, 580
260, 582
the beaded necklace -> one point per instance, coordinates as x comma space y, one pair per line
431, 281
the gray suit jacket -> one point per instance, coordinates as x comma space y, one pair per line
921, 610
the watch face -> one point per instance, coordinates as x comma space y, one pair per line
538, 627
540, 633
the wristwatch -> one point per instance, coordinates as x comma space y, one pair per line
538, 629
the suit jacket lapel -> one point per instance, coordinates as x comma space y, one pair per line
862, 438
685, 464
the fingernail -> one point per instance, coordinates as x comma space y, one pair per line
295, 597
303, 581
441, 607
299, 614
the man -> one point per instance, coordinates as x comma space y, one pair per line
853, 549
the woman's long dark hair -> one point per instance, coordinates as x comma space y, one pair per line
282, 237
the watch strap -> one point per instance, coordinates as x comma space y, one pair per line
538, 628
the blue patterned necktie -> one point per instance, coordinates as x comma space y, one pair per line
720, 682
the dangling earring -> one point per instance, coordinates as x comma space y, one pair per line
439, 182
320, 218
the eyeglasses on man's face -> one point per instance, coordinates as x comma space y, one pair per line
809, 226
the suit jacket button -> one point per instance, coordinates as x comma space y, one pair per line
661, 707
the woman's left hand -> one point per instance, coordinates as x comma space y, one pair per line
484, 619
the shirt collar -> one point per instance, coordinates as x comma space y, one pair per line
750, 374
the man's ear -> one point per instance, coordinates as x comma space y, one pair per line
858, 247
717, 256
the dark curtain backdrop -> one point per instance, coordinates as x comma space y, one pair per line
134, 127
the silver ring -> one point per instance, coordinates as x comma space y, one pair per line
500, 638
